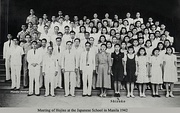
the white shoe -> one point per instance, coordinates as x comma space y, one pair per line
171, 95
128, 95
167, 95
132, 96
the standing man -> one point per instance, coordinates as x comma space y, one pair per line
34, 59
6, 55
78, 50
69, 67
26, 48
16, 53
42, 51
58, 51
87, 68
49, 71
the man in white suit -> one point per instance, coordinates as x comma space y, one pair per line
87, 68
16, 53
50, 70
58, 51
34, 60
69, 68
6, 55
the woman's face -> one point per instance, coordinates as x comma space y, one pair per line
102, 39
123, 31
113, 32
130, 50
169, 51
104, 31
126, 39
146, 31
82, 29
123, 45
108, 45
142, 52
148, 44
130, 34
114, 40
156, 52
99, 25
167, 43
160, 46
135, 43
117, 48
151, 37
105, 23
94, 30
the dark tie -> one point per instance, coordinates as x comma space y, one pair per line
34, 51
87, 55
58, 49
9, 43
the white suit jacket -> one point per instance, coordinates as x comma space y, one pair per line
91, 60
6, 49
50, 64
34, 58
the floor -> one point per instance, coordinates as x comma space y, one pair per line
21, 100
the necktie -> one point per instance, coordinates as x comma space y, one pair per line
34, 51
9, 43
87, 55
58, 49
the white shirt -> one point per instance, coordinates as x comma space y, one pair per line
90, 61
50, 64
130, 20
138, 19
69, 61
34, 58
16, 56
66, 23
65, 38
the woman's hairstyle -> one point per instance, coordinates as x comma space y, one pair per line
111, 31
131, 47
116, 22
146, 43
159, 44
117, 45
94, 27
104, 28
169, 47
122, 29
101, 37
104, 45
142, 48
80, 29
108, 42
153, 52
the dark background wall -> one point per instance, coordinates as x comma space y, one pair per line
14, 12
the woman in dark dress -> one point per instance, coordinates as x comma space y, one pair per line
117, 69
130, 71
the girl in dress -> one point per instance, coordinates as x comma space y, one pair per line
142, 71
130, 71
103, 69
112, 33
156, 72
99, 26
123, 48
95, 35
167, 43
141, 41
117, 69
105, 33
116, 26
170, 71
127, 40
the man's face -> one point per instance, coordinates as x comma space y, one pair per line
53, 18
66, 29
76, 42
9, 36
50, 50
87, 46
58, 42
31, 11
35, 27
56, 29
46, 29
15, 41
34, 45
72, 35
28, 38
43, 43
69, 45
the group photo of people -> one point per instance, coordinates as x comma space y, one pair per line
91, 53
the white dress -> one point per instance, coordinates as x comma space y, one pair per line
142, 76
170, 70
156, 70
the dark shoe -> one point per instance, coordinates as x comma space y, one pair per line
84, 95
157, 95
18, 89
118, 95
26, 87
153, 95
29, 94
115, 94
37, 94
13, 88
89, 95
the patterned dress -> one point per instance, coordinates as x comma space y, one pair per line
103, 61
